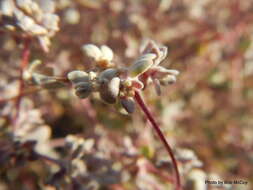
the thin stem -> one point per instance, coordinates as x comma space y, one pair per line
24, 63
31, 90
23, 93
149, 116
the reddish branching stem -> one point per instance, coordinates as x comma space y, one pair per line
20, 95
23, 65
149, 116
29, 91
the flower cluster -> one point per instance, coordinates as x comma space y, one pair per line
30, 19
119, 84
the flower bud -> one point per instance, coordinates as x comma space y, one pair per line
107, 53
114, 86
128, 104
48, 82
83, 89
140, 66
108, 74
52, 84
92, 51
78, 76
150, 56
92, 75
109, 90
33, 67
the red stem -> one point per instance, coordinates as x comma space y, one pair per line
149, 116
24, 63
20, 95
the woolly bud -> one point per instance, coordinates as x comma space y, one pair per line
140, 66
107, 53
52, 84
150, 56
128, 104
108, 74
92, 51
83, 89
78, 76
48, 82
109, 90
39, 74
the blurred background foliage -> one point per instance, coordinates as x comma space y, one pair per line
208, 110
